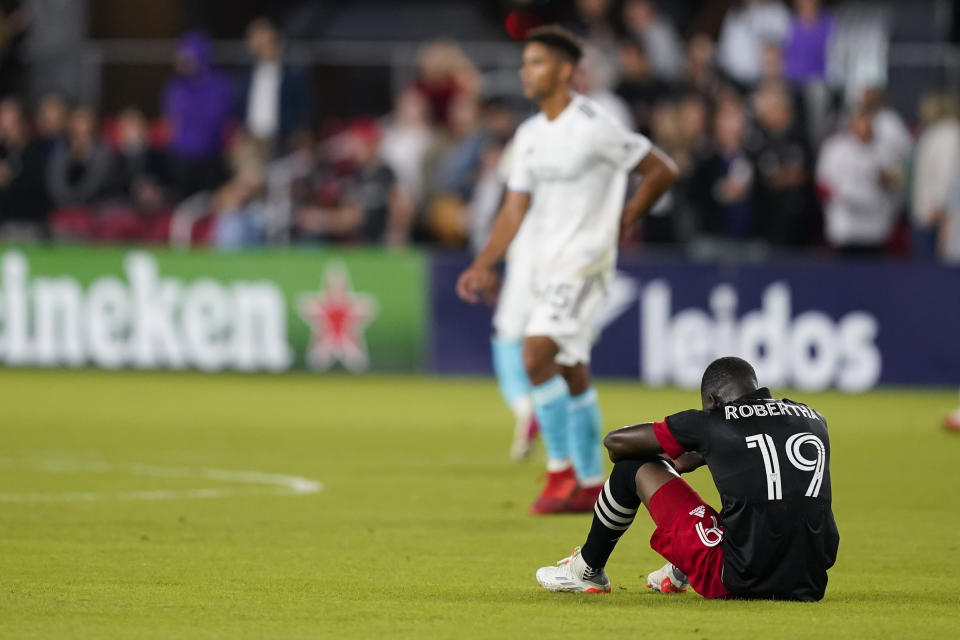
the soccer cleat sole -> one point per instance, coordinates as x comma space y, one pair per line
666, 586
590, 590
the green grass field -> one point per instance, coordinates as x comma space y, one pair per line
116, 523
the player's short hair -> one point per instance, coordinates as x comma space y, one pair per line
728, 371
560, 41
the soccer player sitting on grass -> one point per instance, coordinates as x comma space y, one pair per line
775, 536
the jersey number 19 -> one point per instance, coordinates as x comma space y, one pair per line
771, 461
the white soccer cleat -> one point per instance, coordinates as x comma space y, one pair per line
572, 575
665, 580
522, 443
525, 430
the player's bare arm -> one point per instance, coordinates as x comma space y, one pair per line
659, 172
631, 442
479, 276
639, 441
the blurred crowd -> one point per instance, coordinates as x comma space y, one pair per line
773, 156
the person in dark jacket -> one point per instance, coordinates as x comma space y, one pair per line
80, 169
23, 195
274, 99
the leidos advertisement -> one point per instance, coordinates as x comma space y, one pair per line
261, 311
806, 324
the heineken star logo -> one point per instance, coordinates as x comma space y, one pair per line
337, 317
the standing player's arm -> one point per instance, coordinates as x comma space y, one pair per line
479, 275
659, 172
639, 441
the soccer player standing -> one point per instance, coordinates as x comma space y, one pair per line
770, 459
568, 177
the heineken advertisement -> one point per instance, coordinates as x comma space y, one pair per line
256, 311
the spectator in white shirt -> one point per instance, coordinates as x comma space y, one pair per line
274, 98
948, 240
859, 189
407, 138
747, 27
936, 164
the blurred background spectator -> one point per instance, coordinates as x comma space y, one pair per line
639, 88
273, 99
935, 167
372, 208
783, 165
197, 103
858, 182
806, 43
79, 171
723, 180
949, 238
51, 120
238, 205
23, 174
748, 26
407, 138
657, 36
141, 172
443, 72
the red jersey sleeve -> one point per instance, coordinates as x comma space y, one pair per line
666, 439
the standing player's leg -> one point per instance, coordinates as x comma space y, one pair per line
515, 390
551, 400
687, 533
584, 426
574, 333
509, 322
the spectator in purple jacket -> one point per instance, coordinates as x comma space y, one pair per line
805, 49
197, 103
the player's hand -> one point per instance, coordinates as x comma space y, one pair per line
491, 292
688, 461
473, 282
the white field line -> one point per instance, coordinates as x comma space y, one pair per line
257, 483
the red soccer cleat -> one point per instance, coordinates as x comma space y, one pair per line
560, 487
583, 500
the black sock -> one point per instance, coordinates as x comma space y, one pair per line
613, 513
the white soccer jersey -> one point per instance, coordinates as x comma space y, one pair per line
575, 168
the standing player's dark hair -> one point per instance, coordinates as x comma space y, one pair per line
726, 375
559, 40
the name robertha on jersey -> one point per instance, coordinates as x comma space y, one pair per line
770, 408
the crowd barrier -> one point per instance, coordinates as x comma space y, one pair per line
804, 323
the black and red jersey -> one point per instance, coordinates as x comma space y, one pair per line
770, 460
